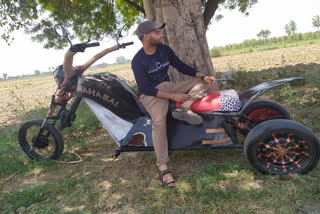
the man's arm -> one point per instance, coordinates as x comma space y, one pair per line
186, 69
178, 64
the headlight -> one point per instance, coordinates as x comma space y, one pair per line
58, 74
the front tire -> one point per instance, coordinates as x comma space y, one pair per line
40, 144
260, 111
281, 147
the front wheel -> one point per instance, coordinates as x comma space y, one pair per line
40, 143
281, 147
260, 111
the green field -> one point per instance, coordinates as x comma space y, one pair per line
217, 181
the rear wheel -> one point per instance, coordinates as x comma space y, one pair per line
40, 143
260, 111
281, 147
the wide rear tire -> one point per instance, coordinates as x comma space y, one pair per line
280, 147
40, 144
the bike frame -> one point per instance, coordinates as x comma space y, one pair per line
229, 119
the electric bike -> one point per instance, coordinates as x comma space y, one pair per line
273, 143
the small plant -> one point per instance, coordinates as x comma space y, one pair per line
244, 79
285, 93
315, 96
215, 53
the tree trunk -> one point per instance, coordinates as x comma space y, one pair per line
185, 32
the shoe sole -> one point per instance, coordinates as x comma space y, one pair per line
192, 120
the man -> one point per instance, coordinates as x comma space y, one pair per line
150, 66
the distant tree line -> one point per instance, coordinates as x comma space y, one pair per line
122, 60
119, 60
290, 29
5, 76
255, 43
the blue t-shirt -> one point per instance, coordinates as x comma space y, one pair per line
151, 70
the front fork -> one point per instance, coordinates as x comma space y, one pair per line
64, 116
67, 116
42, 128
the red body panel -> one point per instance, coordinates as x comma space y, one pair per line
211, 102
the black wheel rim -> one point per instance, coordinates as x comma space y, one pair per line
42, 146
283, 153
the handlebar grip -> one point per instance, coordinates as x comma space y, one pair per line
126, 44
94, 44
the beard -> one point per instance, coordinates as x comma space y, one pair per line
155, 42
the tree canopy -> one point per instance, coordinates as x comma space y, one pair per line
5, 75
264, 34
316, 22
290, 28
87, 19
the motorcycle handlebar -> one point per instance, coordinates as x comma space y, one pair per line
94, 44
123, 45
82, 46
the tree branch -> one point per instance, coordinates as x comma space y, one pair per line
135, 5
210, 8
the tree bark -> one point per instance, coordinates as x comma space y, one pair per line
210, 9
185, 32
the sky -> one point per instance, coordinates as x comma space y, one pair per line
24, 56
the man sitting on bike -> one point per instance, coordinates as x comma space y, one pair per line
150, 66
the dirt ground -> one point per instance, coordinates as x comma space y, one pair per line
260, 60
269, 59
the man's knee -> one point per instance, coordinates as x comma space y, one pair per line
200, 85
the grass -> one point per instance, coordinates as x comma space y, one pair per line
216, 181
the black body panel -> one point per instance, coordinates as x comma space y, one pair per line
184, 136
112, 92
251, 94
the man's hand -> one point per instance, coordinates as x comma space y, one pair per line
179, 97
210, 80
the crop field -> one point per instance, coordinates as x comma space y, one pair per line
216, 181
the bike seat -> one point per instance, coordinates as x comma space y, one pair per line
224, 101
